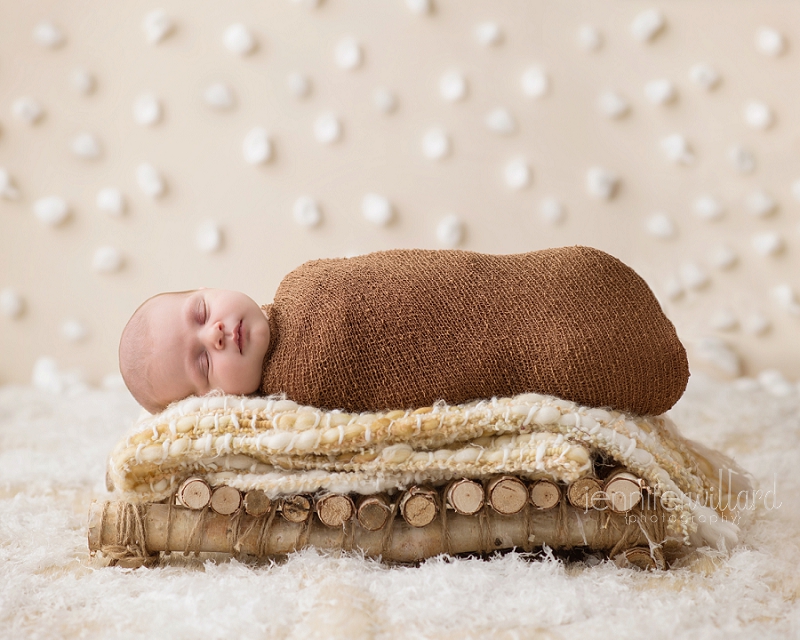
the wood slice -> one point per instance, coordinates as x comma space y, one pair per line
465, 496
419, 506
226, 500
507, 495
194, 493
623, 492
544, 494
296, 508
585, 493
335, 509
373, 512
256, 503
640, 557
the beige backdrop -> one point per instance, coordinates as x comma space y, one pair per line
74, 312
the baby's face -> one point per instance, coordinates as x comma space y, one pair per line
206, 339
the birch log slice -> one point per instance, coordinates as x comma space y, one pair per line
465, 496
256, 503
544, 494
335, 509
640, 557
226, 500
585, 493
373, 512
419, 506
296, 508
507, 495
623, 492
194, 493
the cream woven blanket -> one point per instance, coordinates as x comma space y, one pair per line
282, 448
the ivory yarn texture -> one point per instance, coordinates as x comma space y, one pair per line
407, 328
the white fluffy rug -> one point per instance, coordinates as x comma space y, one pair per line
52, 462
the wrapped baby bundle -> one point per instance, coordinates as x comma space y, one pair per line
397, 448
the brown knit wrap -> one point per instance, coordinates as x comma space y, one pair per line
404, 328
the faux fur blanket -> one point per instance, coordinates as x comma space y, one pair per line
407, 328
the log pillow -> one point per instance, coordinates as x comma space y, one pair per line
405, 328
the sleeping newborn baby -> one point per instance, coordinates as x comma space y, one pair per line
405, 328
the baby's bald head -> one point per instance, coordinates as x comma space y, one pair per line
137, 353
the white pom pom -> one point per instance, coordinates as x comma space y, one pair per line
74, 330
82, 81
601, 183
770, 42
257, 147
384, 100
661, 91
327, 128
157, 25
758, 115
8, 190
501, 121
551, 211
11, 303
238, 39
742, 159
761, 204
111, 201
673, 288
518, 174
723, 257
756, 324
348, 54
774, 383
450, 231
489, 34
435, 144
420, 7
676, 149
107, 260
723, 320
768, 243
708, 208
377, 209
796, 189
299, 84
589, 38
86, 146
535, 83
453, 86
306, 212
208, 237
613, 105
219, 96
719, 354
147, 110
786, 298
693, 276
647, 25
46, 34
51, 210
661, 225
705, 76
27, 109
150, 180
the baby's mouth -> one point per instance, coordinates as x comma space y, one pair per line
238, 336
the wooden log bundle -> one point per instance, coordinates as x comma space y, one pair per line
413, 525
173, 528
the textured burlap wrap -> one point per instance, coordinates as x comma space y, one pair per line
405, 328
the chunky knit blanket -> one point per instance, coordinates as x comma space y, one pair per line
275, 445
407, 328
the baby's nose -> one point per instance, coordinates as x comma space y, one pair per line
217, 335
